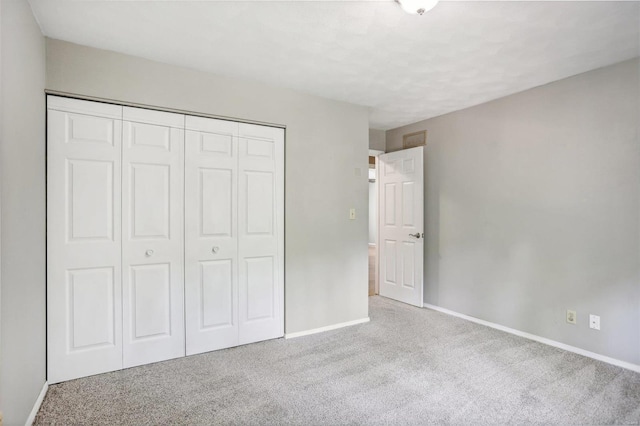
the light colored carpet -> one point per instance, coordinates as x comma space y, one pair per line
407, 366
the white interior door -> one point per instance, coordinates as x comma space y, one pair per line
84, 291
152, 246
261, 232
211, 237
401, 238
122, 261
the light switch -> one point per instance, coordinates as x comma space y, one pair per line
352, 214
594, 322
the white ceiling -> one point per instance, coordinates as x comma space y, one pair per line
405, 68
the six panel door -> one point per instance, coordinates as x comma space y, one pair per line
161, 241
84, 290
401, 225
152, 243
211, 243
261, 232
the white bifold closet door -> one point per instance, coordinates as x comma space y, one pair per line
234, 256
211, 234
260, 232
152, 240
84, 291
165, 236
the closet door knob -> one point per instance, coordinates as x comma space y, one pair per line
215, 249
148, 253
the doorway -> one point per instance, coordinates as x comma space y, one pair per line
373, 222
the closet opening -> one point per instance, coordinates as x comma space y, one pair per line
165, 235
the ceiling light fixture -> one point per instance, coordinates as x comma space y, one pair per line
417, 7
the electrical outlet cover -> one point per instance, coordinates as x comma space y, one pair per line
571, 317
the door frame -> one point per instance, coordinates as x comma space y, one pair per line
376, 153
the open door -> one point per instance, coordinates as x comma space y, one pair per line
401, 225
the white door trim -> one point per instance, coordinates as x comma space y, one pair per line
376, 153
109, 101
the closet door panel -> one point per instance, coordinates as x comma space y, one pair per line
152, 250
91, 307
261, 233
211, 262
84, 292
150, 287
149, 186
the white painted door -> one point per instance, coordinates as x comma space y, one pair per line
119, 271
152, 237
211, 236
84, 289
401, 236
261, 232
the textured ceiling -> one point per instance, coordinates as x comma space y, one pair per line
405, 68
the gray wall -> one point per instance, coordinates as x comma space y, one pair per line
532, 208
326, 253
22, 163
377, 139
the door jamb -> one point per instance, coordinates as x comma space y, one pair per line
375, 153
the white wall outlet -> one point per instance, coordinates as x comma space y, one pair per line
571, 317
352, 213
594, 322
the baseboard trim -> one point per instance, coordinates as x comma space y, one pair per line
327, 328
544, 340
36, 406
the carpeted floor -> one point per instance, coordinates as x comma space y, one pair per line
407, 366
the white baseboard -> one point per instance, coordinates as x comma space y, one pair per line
544, 340
327, 328
36, 406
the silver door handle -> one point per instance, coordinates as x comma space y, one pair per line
416, 235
